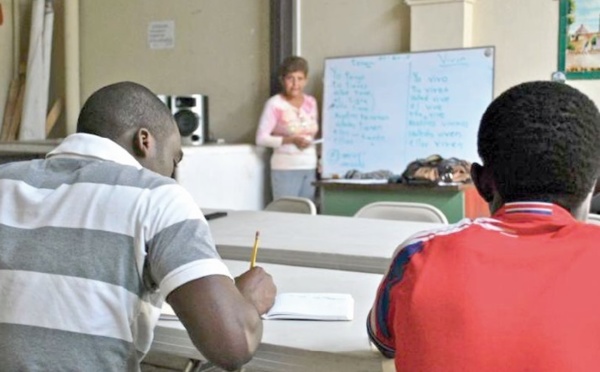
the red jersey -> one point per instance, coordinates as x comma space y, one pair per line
516, 292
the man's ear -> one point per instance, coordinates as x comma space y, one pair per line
597, 186
483, 180
143, 143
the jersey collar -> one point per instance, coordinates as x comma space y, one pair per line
519, 211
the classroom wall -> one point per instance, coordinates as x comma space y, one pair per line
222, 47
221, 50
525, 34
336, 28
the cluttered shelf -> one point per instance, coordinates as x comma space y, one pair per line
384, 185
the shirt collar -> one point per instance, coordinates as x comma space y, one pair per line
533, 211
83, 145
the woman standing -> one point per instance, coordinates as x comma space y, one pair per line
288, 124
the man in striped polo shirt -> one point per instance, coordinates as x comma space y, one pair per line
94, 238
519, 291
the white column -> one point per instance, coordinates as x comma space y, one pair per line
440, 24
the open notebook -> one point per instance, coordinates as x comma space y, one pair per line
300, 306
312, 306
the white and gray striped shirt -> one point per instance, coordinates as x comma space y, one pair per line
90, 245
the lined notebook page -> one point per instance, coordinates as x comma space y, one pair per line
312, 306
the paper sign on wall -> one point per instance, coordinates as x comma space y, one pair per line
161, 35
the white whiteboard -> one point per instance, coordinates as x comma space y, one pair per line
382, 112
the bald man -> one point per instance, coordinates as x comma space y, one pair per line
96, 236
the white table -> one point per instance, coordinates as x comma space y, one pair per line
302, 345
331, 242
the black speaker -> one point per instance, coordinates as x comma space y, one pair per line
191, 114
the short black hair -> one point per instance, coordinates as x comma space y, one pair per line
542, 142
121, 107
293, 64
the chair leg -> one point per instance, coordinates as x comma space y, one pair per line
199, 366
192, 365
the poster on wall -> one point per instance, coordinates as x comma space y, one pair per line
161, 35
579, 39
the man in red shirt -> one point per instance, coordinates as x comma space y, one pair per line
520, 290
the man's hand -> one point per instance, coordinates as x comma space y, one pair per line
257, 287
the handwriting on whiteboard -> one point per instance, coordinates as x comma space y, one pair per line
381, 112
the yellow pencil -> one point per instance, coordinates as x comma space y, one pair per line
254, 250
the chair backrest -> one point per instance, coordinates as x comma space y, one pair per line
404, 211
292, 205
593, 218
